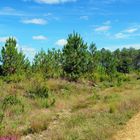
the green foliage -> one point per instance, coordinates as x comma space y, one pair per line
12, 103
76, 60
93, 58
38, 90
15, 78
125, 60
121, 78
12, 60
137, 61
112, 97
108, 62
75, 57
48, 63
9, 101
45, 102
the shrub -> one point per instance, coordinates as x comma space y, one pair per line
122, 78
104, 77
45, 102
112, 108
38, 90
96, 96
12, 105
10, 100
14, 78
112, 97
38, 123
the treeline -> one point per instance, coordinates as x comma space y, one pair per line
76, 60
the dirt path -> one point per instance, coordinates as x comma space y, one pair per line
131, 131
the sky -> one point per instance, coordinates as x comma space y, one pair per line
45, 24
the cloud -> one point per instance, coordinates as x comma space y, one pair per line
39, 37
121, 35
127, 33
28, 51
84, 17
131, 30
61, 42
3, 39
9, 11
51, 1
102, 28
37, 21
107, 22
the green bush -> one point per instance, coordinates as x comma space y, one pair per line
45, 102
122, 78
11, 104
38, 90
11, 100
104, 77
112, 97
15, 78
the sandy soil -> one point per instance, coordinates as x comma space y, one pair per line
131, 131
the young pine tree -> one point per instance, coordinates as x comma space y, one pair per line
75, 57
12, 60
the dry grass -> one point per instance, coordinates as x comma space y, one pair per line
79, 112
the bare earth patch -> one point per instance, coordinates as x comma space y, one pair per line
131, 131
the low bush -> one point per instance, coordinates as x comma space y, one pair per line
15, 78
10, 106
10, 100
37, 124
37, 88
121, 78
40, 91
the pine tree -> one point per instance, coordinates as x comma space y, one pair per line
75, 57
12, 60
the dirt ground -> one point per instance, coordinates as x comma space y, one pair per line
131, 131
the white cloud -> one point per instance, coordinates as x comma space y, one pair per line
131, 30
39, 37
3, 39
28, 50
61, 42
102, 28
120, 36
38, 21
107, 22
84, 17
51, 1
9, 11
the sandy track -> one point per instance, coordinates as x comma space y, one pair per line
131, 131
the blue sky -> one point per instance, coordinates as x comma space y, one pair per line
46, 24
